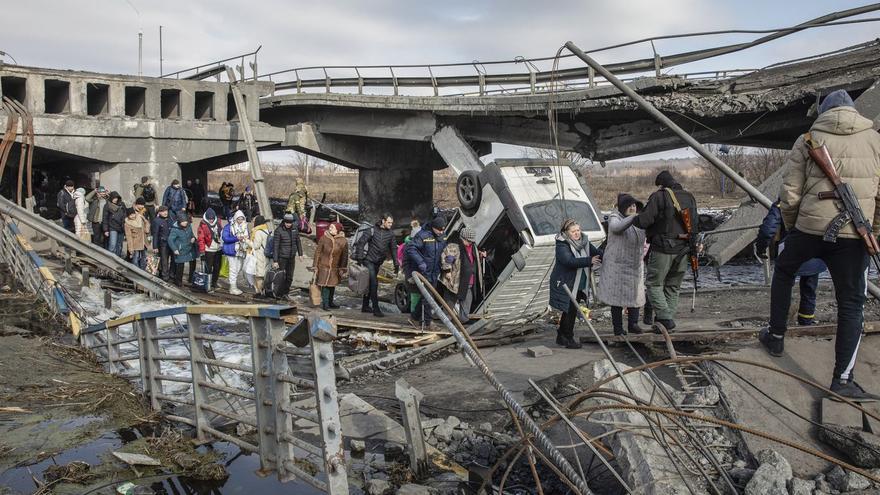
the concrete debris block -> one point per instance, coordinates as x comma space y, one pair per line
453, 422
394, 452
432, 423
378, 487
358, 446
840, 414
771, 477
324, 328
487, 427
798, 486
706, 396
862, 448
539, 351
846, 481
776, 460
443, 433
136, 459
413, 489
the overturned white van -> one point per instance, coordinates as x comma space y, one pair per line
516, 207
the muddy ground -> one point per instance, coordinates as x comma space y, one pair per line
61, 415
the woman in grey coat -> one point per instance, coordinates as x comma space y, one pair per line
622, 283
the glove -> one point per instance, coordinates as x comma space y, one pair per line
761, 249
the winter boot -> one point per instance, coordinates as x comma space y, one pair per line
648, 317
617, 320
632, 319
668, 325
774, 343
851, 390
567, 342
330, 302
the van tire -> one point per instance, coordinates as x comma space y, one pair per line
469, 190
401, 297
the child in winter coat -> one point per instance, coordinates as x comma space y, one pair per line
136, 228
236, 244
182, 242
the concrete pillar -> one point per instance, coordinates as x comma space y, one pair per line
122, 177
404, 193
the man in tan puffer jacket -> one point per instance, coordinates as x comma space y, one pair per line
854, 147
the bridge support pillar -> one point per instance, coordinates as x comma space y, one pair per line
122, 176
404, 193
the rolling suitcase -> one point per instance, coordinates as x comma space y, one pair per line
201, 280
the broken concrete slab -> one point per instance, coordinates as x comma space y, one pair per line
846, 481
861, 447
136, 459
539, 351
837, 413
810, 358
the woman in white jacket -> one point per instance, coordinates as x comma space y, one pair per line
81, 224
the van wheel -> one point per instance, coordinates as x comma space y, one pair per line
401, 297
468, 190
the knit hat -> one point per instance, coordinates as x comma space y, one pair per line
259, 220
210, 215
664, 179
288, 217
469, 234
625, 200
102, 189
439, 222
839, 98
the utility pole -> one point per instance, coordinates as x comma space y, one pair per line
140, 52
161, 71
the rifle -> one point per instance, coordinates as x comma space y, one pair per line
688, 223
850, 211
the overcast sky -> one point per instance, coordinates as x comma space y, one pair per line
101, 35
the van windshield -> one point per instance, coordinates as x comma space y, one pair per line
546, 216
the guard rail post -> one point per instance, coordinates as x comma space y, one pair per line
264, 331
199, 375
323, 332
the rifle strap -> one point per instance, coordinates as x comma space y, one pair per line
808, 140
674, 199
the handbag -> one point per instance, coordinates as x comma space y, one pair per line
315, 291
224, 267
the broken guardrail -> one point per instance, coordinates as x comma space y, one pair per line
207, 399
28, 268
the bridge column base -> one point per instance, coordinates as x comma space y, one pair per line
122, 177
404, 193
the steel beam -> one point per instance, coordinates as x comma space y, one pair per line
409, 399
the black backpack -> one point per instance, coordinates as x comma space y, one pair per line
149, 194
360, 243
274, 283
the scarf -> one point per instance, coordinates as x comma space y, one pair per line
580, 249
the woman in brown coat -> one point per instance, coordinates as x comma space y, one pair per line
331, 260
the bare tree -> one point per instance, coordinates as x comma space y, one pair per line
753, 164
578, 162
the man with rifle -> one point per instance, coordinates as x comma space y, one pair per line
670, 219
829, 205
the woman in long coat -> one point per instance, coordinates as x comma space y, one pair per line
574, 257
331, 260
622, 284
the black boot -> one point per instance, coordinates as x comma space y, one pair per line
330, 302
617, 320
632, 319
667, 324
365, 307
648, 317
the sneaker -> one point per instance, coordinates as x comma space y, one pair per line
852, 391
774, 345
235, 292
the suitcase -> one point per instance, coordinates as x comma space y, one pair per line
358, 279
201, 280
274, 283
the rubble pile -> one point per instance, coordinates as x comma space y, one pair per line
464, 443
774, 477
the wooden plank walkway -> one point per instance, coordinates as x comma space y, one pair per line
721, 335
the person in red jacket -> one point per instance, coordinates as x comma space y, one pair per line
210, 245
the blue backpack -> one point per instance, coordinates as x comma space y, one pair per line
269, 250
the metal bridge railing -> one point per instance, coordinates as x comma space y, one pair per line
176, 364
27, 266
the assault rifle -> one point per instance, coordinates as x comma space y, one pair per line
688, 223
850, 211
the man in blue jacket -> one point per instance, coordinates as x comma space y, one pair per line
772, 232
424, 255
174, 198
